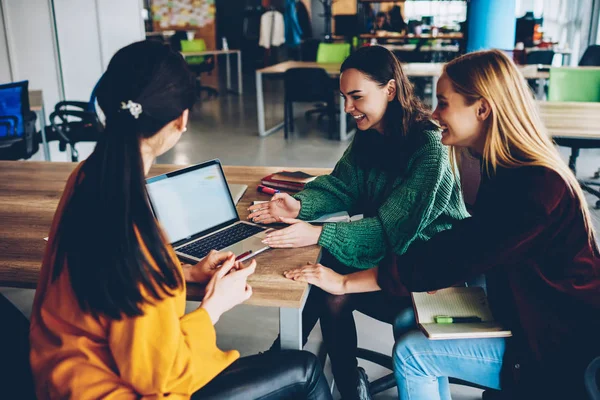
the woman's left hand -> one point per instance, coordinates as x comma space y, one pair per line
206, 268
318, 275
298, 234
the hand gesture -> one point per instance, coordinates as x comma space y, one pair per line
298, 234
227, 288
206, 268
281, 205
318, 275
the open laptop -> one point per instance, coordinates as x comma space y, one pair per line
198, 214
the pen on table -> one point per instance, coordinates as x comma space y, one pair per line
244, 254
266, 190
446, 319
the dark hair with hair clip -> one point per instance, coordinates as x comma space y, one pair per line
108, 219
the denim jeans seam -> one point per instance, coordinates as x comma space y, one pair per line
420, 353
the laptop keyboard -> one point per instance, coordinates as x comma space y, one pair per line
220, 240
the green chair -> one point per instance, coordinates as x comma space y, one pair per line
574, 84
199, 64
579, 85
333, 52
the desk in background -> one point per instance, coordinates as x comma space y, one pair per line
29, 195
227, 53
431, 70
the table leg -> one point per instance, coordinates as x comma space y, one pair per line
434, 82
541, 93
290, 326
344, 134
228, 71
42, 118
239, 71
260, 106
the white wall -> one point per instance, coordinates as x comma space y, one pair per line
79, 46
121, 23
30, 34
88, 33
5, 75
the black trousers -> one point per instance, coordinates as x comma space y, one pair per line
291, 374
338, 325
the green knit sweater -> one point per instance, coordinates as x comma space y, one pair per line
421, 198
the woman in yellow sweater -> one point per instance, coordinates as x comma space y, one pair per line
108, 318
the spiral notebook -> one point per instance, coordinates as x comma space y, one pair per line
456, 302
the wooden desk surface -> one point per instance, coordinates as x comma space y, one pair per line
571, 119
397, 35
410, 69
208, 52
29, 195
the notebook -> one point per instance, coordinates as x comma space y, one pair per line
456, 302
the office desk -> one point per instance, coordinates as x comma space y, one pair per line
571, 120
431, 70
36, 103
29, 195
226, 53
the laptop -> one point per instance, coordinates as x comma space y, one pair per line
198, 214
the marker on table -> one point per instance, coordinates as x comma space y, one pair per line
266, 190
446, 319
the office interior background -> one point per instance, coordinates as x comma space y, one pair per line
62, 47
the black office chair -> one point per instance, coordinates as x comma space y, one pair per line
18, 136
197, 64
72, 122
307, 85
16, 379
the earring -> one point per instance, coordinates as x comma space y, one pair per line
184, 129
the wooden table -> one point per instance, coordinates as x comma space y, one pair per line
571, 119
29, 195
431, 70
226, 53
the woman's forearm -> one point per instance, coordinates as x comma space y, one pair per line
362, 281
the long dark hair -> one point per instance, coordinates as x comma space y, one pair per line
381, 65
107, 227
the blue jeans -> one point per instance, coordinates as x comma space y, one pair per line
422, 366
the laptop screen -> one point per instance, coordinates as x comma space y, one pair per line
191, 201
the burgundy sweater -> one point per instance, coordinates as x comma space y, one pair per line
543, 278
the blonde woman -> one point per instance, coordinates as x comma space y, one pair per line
531, 235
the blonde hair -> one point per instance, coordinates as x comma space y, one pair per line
516, 136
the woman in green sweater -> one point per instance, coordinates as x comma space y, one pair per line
397, 174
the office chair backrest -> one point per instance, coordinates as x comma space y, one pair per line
307, 85
14, 106
591, 57
190, 46
333, 52
574, 84
539, 57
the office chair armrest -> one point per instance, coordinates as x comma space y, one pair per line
61, 105
11, 122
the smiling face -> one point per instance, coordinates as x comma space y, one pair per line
365, 99
463, 125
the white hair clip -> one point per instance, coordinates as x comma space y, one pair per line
134, 108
